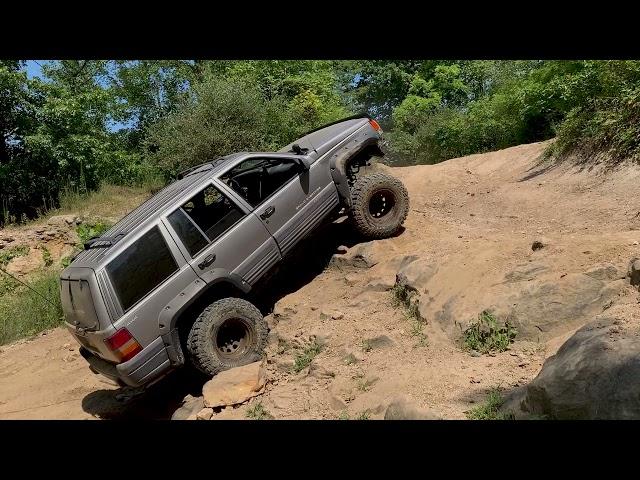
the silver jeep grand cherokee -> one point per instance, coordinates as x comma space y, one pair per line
170, 280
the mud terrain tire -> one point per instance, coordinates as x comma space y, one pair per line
229, 333
379, 205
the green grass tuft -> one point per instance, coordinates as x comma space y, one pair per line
14, 252
490, 409
303, 359
485, 335
258, 412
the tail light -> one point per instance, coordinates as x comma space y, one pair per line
376, 126
123, 345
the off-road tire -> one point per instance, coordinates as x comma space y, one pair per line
367, 189
205, 352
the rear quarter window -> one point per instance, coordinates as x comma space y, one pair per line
141, 267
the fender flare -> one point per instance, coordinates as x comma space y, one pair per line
172, 311
368, 139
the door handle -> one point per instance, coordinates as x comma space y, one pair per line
208, 260
267, 213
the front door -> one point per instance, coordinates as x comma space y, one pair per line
220, 237
288, 196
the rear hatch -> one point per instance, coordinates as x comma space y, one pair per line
78, 293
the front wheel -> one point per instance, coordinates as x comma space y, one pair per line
379, 205
229, 333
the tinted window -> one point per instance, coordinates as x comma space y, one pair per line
212, 212
192, 238
257, 179
141, 267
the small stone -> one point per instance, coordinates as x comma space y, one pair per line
475, 353
205, 414
459, 236
342, 249
66, 345
337, 315
539, 243
635, 243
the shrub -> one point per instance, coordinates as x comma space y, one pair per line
485, 335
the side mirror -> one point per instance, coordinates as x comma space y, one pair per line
303, 162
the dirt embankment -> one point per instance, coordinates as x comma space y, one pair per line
467, 247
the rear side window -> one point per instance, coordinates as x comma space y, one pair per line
205, 217
191, 236
141, 267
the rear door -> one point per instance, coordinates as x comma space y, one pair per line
218, 236
287, 197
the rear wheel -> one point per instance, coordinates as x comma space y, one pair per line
229, 333
379, 205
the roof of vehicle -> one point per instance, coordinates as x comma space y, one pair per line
317, 142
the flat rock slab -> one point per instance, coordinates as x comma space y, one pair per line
235, 386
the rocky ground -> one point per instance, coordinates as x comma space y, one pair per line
546, 247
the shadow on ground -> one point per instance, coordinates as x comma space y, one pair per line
158, 402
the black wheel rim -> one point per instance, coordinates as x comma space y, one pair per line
381, 203
233, 338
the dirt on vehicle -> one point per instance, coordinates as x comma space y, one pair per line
545, 246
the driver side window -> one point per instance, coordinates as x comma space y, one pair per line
257, 179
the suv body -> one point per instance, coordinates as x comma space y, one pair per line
213, 227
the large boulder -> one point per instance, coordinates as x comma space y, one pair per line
235, 386
594, 375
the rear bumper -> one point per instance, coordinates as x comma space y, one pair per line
148, 365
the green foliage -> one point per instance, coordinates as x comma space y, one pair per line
303, 359
46, 256
404, 297
251, 106
485, 335
10, 253
24, 313
490, 409
258, 412
88, 230
364, 415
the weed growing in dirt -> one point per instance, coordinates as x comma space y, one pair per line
350, 359
364, 415
46, 256
14, 252
344, 415
402, 296
304, 358
24, 313
88, 230
366, 345
487, 336
365, 384
490, 409
258, 412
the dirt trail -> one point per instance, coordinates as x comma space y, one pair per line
474, 219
